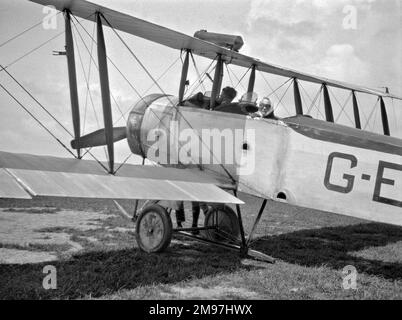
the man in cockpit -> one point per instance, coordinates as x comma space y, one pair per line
265, 110
227, 96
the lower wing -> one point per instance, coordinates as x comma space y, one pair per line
25, 176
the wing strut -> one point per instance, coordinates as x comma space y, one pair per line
251, 80
184, 73
297, 97
384, 118
356, 111
72, 77
104, 84
329, 115
216, 86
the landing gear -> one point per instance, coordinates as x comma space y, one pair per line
224, 223
154, 229
223, 227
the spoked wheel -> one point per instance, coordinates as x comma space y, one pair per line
153, 229
226, 223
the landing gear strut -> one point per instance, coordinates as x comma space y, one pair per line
222, 227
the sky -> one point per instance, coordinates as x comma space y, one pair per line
357, 41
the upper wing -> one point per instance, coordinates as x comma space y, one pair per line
178, 40
25, 176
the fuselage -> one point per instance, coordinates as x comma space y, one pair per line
299, 160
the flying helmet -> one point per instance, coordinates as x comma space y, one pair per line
265, 107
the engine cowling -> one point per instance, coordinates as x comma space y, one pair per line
153, 112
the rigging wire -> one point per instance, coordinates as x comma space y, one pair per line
371, 114
238, 80
37, 120
394, 112
88, 89
318, 107
150, 87
274, 91
111, 94
109, 59
318, 95
313, 101
362, 110
160, 88
198, 72
40, 104
31, 51
230, 77
23, 32
88, 92
204, 76
280, 101
341, 106
2, 68
343, 109
46, 111
375, 120
38, 47
305, 91
124, 162
242, 77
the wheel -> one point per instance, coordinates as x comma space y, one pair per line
153, 229
225, 219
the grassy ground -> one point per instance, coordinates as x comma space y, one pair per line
311, 249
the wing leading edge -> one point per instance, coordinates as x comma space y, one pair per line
22, 177
179, 41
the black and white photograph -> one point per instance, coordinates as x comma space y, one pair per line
197, 157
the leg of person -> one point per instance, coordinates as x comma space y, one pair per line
204, 207
196, 215
180, 217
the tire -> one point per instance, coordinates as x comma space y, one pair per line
227, 222
153, 229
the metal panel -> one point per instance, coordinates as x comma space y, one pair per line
61, 184
178, 40
9, 187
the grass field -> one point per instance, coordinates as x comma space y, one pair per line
98, 258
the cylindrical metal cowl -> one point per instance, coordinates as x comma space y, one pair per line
147, 114
224, 40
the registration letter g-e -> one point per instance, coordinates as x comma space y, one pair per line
349, 178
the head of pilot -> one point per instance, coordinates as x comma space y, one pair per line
265, 107
228, 94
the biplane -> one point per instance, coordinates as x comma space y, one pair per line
298, 160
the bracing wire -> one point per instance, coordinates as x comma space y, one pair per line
274, 91
86, 47
37, 120
160, 88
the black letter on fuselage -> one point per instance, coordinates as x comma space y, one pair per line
381, 180
350, 179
